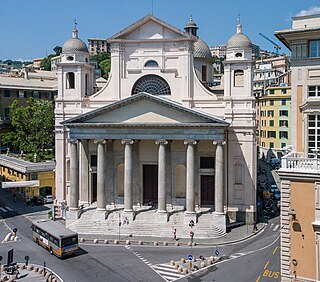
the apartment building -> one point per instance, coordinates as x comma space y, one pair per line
97, 45
274, 120
300, 171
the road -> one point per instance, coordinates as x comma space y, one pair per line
256, 259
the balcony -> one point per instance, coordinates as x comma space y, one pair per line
295, 163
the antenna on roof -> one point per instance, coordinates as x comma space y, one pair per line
152, 7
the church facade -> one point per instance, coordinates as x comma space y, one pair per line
157, 132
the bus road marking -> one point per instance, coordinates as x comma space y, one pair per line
266, 265
275, 249
258, 279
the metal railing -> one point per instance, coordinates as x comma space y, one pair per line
295, 162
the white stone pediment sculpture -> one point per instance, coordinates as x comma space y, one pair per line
144, 108
149, 28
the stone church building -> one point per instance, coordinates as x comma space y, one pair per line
158, 133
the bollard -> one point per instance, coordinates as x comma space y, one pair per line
7, 238
202, 264
172, 262
140, 243
95, 241
116, 241
177, 244
155, 243
128, 242
210, 261
35, 269
180, 269
185, 271
182, 260
106, 241
81, 240
29, 267
211, 258
194, 244
189, 244
165, 243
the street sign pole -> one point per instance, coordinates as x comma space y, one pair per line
0, 266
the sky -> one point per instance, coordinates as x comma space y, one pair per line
32, 28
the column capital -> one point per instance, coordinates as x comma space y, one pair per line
221, 142
162, 142
190, 142
102, 141
127, 141
73, 141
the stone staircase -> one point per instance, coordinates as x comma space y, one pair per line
147, 223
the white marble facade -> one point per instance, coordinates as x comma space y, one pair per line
155, 131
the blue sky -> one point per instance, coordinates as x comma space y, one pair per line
31, 28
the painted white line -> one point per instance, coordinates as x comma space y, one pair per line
276, 227
271, 225
166, 265
164, 268
8, 208
171, 275
3, 209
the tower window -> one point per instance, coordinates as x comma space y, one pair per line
238, 55
238, 78
204, 73
70, 80
151, 64
70, 58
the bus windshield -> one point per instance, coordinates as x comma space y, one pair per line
69, 241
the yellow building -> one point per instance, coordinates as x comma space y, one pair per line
274, 120
300, 168
22, 172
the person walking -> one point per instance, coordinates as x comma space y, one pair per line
175, 234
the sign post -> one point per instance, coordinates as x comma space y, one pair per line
0, 266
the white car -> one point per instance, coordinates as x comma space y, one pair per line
48, 199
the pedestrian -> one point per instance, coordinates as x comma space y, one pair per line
255, 228
175, 234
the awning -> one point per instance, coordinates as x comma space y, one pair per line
18, 184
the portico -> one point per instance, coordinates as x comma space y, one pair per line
174, 148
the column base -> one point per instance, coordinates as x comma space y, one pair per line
100, 215
190, 216
84, 204
220, 220
162, 216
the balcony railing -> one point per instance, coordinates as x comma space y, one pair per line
296, 163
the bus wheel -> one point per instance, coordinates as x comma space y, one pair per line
51, 251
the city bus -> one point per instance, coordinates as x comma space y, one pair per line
55, 237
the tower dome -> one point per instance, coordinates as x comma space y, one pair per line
239, 40
191, 27
74, 44
201, 50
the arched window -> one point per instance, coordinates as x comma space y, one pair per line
151, 84
151, 64
238, 78
70, 80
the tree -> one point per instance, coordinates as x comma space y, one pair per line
57, 50
46, 62
104, 62
32, 128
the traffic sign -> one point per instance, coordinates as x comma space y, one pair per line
191, 234
15, 230
190, 257
217, 252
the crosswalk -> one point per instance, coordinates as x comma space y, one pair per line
274, 227
167, 272
5, 209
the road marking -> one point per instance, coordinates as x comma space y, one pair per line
271, 225
168, 272
276, 227
3, 209
8, 208
275, 249
266, 265
237, 255
258, 279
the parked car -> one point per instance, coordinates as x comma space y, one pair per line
273, 188
48, 199
39, 200
277, 195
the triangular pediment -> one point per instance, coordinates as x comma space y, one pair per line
149, 27
144, 108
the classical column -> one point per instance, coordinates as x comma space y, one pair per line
101, 174
218, 203
128, 201
162, 195
190, 203
84, 164
74, 175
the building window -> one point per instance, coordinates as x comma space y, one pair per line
313, 134
271, 122
93, 160
21, 94
263, 144
7, 93
272, 134
36, 94
283, 102
271, 102
271, 145
270, 113
151, 64
283, 113
238, 78
206, 162
284, 91
204, 73
70, 80
283, 134
314, 91
283, 145
314, 49
271, 91
151, 84
283, 123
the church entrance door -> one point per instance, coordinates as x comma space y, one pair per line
207, 190
150, 183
